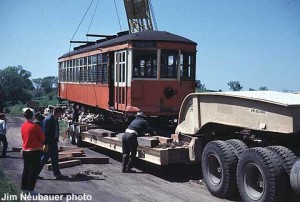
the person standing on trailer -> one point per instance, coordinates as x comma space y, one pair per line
50, 127
138, 127
3, 138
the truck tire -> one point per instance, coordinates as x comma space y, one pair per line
295, 177
260, 177
73, 139
286, 157
219, 169
78, 140
239, 146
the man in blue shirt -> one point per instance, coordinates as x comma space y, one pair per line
138, 127
50, 127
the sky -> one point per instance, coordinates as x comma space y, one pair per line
255, 42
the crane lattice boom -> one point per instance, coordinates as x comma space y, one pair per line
138, 15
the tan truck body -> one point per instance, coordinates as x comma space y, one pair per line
267, 111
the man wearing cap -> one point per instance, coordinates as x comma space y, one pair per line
138, 127
3, 139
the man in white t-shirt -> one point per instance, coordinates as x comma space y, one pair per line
3, 139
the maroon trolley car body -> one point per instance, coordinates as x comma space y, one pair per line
150, 71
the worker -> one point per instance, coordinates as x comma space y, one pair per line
50, 127
33, 138
138, 127
3, 139
75, 113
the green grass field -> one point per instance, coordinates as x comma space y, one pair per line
6, 186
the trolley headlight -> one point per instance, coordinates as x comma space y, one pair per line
169, 92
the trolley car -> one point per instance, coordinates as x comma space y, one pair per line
149, 71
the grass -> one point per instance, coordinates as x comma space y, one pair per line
17, 109
46, 100
43, 101
63, 126
6, 186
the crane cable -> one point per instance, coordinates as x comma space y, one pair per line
118, 15
80, 24
92, 20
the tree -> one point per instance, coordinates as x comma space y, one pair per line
49, 84
200, 85
38, 86
15, 84
235, 85
263, 88
1, 92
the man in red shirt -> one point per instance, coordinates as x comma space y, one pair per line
33, 138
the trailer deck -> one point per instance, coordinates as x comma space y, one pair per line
156, 155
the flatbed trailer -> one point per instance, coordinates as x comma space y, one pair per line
247, 143
146, 152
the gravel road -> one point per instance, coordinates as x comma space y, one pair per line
106, 182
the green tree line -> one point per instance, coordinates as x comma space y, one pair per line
233, 86
16, 86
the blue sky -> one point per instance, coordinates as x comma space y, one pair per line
256, 42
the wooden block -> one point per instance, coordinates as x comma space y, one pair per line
72, 150
62, 156
97, 132
120, 136
66, 148
164, 140
78, 154
92, 160
92, 127
16, 149
147, 141
102, 133
113, 134
65, 164
175, 137
61, 159
81, 128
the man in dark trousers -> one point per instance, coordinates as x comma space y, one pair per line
138, 127
50, 127
75, 113
3, 139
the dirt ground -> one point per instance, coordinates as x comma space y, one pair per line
106, 182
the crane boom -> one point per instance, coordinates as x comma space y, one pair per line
138, 15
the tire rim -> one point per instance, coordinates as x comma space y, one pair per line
214, 170
254, 181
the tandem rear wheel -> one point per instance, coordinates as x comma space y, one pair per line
218, 168
257, 174
75, 138
260, 176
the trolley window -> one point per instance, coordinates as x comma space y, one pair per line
169, 61
187, 66
101, 71
144, 64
